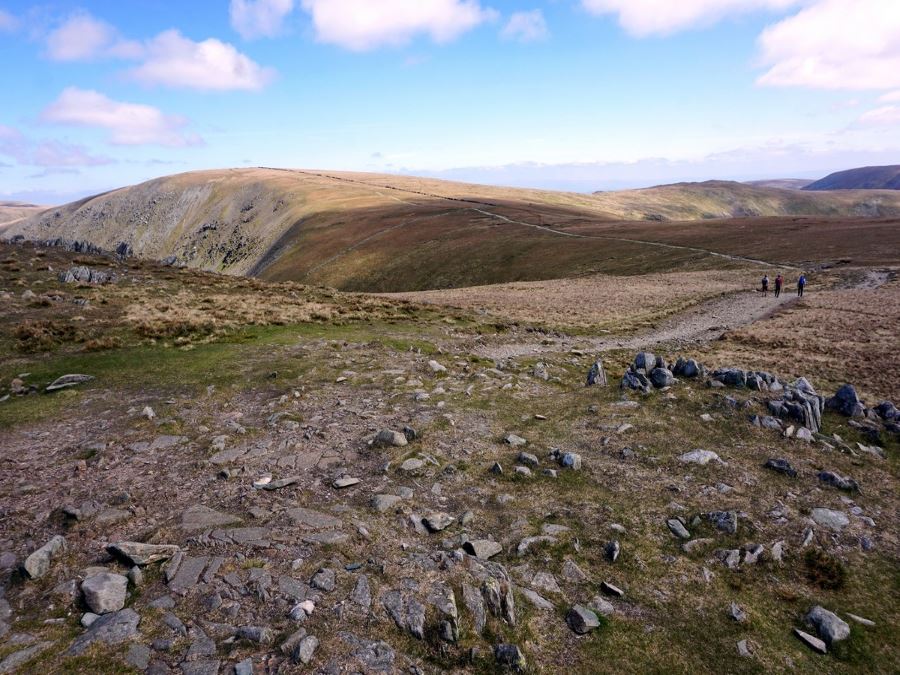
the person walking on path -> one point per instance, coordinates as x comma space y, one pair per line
765, 285
779, 281
801, 284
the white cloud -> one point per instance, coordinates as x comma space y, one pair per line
45, 153
890, 97
83, 38
175, 61
259, 18
663, 17
127, 123
361, 25
885, 116
835, 44
525, 27
8, 23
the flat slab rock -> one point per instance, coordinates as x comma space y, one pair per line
140, 554
313, 520
199, 517
482, 548
110, 629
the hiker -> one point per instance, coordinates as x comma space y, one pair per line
801, 284
765, 285
779, 281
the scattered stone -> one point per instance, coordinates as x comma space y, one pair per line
135, 553
496, 469
812, 642
14, 661
677, 528
482, 548
199, 517
387, 437
596, 375
324, 580
412, 465
743, 647
838, 481
527, 458
830, 627
258, 634
537, 600
752, 553
833, 520
345, 481
726, 521
38, 563
737, 613
513, 440
582, 620
105, 592
701, 457
846, 402
305, 650
861, 621
731, 558
111, 629
540, 371
138, 656
67, 381
804, 434
382, 503
610, 589
510, 656
781, 466
611, 550
661, 378
436, 522
436, 367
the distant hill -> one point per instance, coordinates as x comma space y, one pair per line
781, 183
864, 178
375, 232
13, 211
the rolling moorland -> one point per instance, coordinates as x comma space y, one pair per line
262, 474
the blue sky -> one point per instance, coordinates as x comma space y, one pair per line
568, 94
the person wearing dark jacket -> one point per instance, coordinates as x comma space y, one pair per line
801, 284
779, 281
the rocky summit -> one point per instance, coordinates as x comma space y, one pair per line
205, 474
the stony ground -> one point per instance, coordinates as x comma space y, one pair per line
336, 494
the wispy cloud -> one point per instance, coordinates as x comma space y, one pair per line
526, 27
46, 153
83, 37
259, 18
8, 22
363, 25
126, 123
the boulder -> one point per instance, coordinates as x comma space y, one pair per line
136, 553
846, 402
482, 548
510, 656
105, 592
838, 481
830, 627
636, 381
702, 457
661, 377
111, 629
38, 563
781, 466
726, 521
645, 361
582, 620
596, 375
833, 520
387, 437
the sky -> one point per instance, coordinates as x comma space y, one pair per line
566, 94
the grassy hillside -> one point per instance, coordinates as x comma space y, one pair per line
396, 233
863, 178
12, 211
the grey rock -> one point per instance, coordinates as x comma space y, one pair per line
635, 381
752, 553
730, 557
475, 604
208, 667
514, 440
537, 600
12, 662
510, 656
846, 402
677, 528
362, 594
582, 620
572, 572
38, 563
388, 437
830, 627
611, 589
602, 606
259, 634
611, 550
313, 520
245, 667
199, 517
545, 581
861, 621
701, 457
482, 548
188, 574
382, 503
661, 377
345, 481
596, 375
111, 629
438, 521
645, 361
527, 458
737, 613
732, 377
305, 650
744, 650
138, 656
105, 593
781, 466
407, 612
540, 371
726, 521
67, 381
811, 641
324, 580
833, 520
838, 481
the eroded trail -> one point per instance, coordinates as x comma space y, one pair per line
704, 322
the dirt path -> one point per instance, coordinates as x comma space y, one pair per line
703, 323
